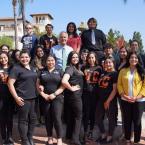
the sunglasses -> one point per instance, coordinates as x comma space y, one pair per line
28, 28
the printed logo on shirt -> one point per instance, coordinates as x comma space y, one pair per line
27, 42
104, 81
56, 72
43, 74
91, 76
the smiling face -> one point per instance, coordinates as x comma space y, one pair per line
133, 60
91, 59
50, 62
71, 28
123, 53
3, 59
25, 59
63, 37
39, 52
5, 49
92, 24
75, 59
29, 29
109, 65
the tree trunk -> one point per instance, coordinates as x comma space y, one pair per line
23, 15
14, 2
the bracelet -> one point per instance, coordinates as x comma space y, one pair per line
54, 94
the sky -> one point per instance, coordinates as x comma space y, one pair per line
114, 14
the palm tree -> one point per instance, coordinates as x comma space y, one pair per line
22, 4
14, 3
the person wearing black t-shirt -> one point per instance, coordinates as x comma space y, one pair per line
48, 40
22, 85
92, 72
107, 102
6, 102
73, 82
50, 81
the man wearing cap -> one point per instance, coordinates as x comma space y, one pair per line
93, 39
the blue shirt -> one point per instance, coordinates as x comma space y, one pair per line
57, 51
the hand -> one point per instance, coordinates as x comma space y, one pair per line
41, 88
20, 101
52, 96
130, 98
106, 105
3, 77
45, 96
75, 88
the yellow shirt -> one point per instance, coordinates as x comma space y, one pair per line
123, 83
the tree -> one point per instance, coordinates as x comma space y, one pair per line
6, 40
111, 38
137, 36
22, 4
14, 3
115, 38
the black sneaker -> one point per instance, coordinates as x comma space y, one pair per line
90, 135
106, 141
100, 139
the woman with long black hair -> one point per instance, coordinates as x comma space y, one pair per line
92, 72
107, 101
74, 39
131, 88
50, 81
6, 101
73, 82
22, 85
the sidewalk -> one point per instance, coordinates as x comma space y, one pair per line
40, 135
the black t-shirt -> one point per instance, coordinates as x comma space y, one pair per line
91, 77
50, 80
3, 83
76, 76
25, 84
106, 81
48, 42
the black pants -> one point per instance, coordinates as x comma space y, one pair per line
132, 114
74, 115
27, 119
53, 116
111, 115
6, 116
89, 109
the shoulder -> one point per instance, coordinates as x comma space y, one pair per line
23, 37
69, 69
85, 32
69, 48
99, 31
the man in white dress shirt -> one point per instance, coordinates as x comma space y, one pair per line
61, 51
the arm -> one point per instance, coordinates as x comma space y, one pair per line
119, 84
40, 90
142, 92
12, 89
57, 92
78, 44
67, 85
111, 96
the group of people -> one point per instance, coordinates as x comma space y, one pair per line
75, 80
